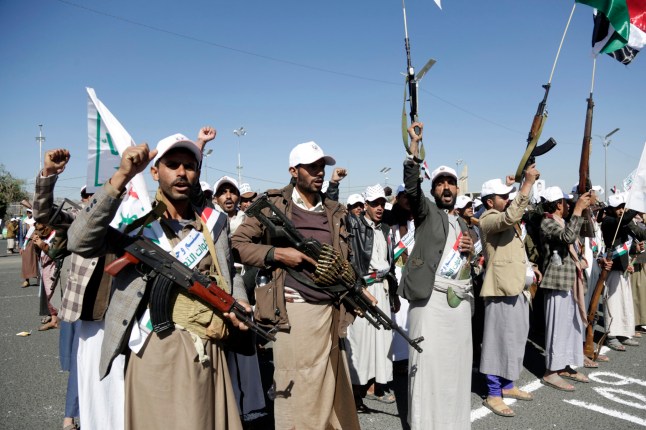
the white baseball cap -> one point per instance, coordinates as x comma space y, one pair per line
176, 141
495, 186
553, 194
205, 186
374, 192
400, 189
462, 201
225, 180
477, 202
597, 189
443, 171
307, 153
246, 191
616, 200
355, 198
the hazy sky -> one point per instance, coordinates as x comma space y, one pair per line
294, 71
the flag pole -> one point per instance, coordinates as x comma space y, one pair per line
561, 44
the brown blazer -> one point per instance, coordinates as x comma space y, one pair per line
504, 250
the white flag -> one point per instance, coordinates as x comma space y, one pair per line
108, 139
438, 3
636, 198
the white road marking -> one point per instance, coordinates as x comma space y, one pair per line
621, 380
611, 394
607, 411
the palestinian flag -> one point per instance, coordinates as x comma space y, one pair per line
371, 278
619, 27
621, 249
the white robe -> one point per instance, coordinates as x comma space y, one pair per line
101, 402
619, 317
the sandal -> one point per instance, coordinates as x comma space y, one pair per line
576, 376
630, 342
557, 383
516, 393
615, 344
46, 319
590, 364
602, 358
73, 426
49, 325
385, 398
498, 407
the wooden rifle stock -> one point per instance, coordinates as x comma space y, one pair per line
589, 349
585, 185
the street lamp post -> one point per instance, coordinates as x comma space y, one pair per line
206, 164
40, 139
239, 132
606, 144
385, 171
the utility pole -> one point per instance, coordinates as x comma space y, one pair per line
606, 143
40, 139
239, 132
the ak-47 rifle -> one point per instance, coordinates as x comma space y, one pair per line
585, 185
412, 83
333, 273
152, 261
533, 150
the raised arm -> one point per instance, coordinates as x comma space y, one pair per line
412, 182
43, 206
89, 235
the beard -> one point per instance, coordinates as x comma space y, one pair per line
440, 200
175, 195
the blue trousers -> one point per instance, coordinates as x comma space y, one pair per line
496, 384
68, 347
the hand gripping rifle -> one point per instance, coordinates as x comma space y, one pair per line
533, 150
333, 273
412, 82
154, 263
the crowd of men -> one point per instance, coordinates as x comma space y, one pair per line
320, 275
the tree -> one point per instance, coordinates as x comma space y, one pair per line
10, 190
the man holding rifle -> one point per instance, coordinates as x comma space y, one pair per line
311, 378
508, 276
178, 378
436, 281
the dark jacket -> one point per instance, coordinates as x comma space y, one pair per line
252, 245
627, 229
361, 242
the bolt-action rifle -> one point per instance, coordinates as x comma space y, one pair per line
333, 273
167, 272
585, 184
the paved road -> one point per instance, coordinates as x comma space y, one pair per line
33, 388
